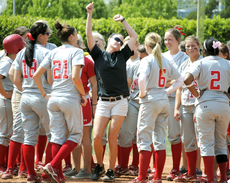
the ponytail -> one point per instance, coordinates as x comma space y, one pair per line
157, 54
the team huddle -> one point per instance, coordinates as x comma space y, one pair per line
53, 97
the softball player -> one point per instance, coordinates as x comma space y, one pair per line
187, 100
64, 105
212, 108
12, 44
176, 57
32, 104
154, 110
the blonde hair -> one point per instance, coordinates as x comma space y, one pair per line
97, 35
153, 40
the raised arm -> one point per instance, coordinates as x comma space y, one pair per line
90, 40
129, 29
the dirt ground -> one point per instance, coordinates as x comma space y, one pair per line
167, 168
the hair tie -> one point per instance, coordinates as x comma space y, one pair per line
205, 45
179, 29
29, 35
216, 44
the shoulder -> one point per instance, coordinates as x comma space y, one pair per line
51, 46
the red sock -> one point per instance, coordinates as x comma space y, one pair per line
3, 152
6, 156
222, 167
145, 157
135, 156
154, 166
209, 166
68, 159
125, 151
65, 149
60, 173
29, 152
18, 157
176, 155
48, 153
22, 162
119, 158
104, 147
14, 150
160, 157
191, 158
40, 148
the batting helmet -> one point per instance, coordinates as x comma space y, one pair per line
13, 44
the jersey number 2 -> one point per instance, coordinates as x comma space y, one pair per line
161, 81
58, 68
213, 84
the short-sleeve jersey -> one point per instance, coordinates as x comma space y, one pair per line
155, 81
60, 61
87, 73
187, 98
129, 62
50, 46
28, 84
213, 74
5, 65
110, 71
176, 62
132, 73
2, 54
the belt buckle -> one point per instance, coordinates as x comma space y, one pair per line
115, 99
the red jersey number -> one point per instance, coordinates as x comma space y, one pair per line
161, 81
213, 82
195, 84
32, 69
58, 67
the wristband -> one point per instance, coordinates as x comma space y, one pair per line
189, 85
77, 81
44, 95
122, 19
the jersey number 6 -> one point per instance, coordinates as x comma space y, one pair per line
213, 85
161, 81
58, 68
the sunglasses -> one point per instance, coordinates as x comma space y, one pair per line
118, 40
47, 33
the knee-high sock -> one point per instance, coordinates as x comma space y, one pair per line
22, 162
3, 152
40, 147
135, 156
125, 151
145, 157
48, 153
191, 159
68, 159
160, 157
154, 164
176, 155
209, 167
29, 152
18, 159
14, 150
119, 155
222, 167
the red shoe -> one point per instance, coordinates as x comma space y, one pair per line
203, 178
45, 178
67, 168
119, 170
2, 170
39, 166
8, 174
185, 178
138, 181
152, 174
155, 181
33, 178
133, 170
22, 174
52, 172
172, 175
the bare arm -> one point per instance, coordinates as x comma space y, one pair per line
93, 82
49, 77
188, 81
177, 104
11, 73
90, 40
18, 79
37, 79
129, 82
3, 92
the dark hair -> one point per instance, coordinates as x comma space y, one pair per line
141, 49
114, 34
182, 46
21, 30
64, 31
35, 30
224, 49
176, 33
207, 46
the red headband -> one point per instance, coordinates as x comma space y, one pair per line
175, 27
29, 35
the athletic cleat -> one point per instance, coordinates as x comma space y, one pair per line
98, 172
203, 178
172, 175
198, 173
52, 172
22, 174
183, 170
15, 172
71, 173
33, 178
109, 176
119, 170
186, 178
82, 175
93, 167
152, 174
8, 174
46, 180
138, 181
67, 168
2, 170
133, 170
155, 181
39, 166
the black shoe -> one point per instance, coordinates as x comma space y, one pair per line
70, 173
109, 176
98, 172
183, 170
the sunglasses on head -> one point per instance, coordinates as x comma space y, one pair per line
118, 40
47, 33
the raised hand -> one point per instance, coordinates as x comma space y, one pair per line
118, 18
89, 7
